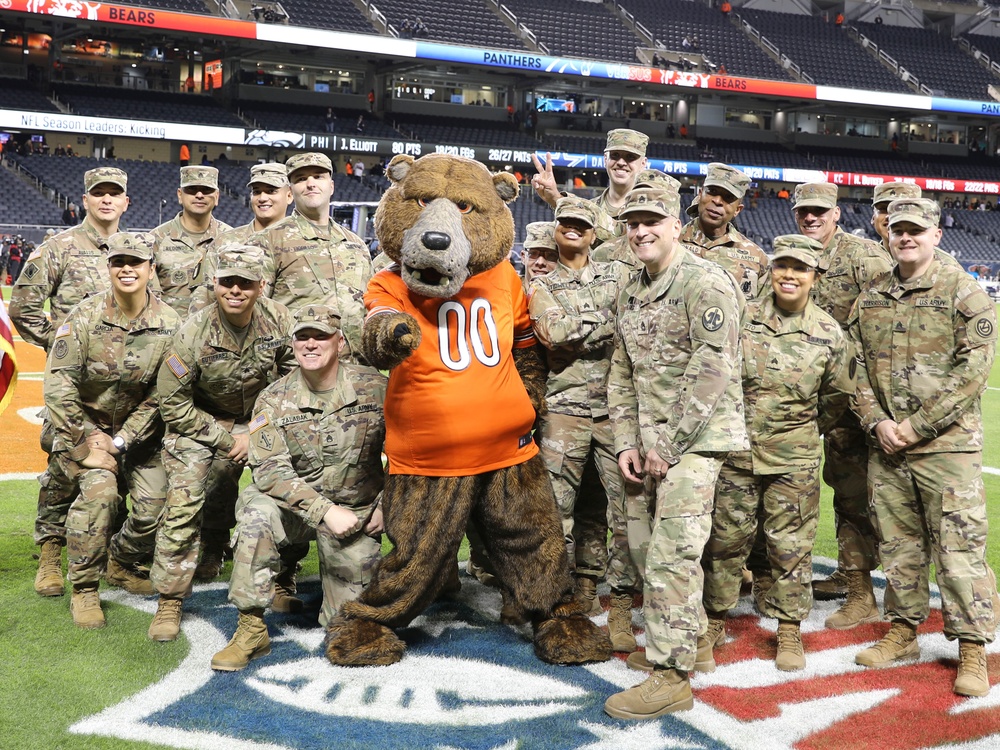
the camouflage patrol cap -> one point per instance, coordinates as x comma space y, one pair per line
94, 177
652, 200
728, 178
140, 245
797, 246
574, 207
920, 211
318, 317
623, 139
815, 195
654, 178
890, 191
272, 174
245, 261
540, 234
199, 176
312, 159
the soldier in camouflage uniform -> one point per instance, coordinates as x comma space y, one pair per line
219, 361
315, 448
270, 197
99, 389
711, 229
797, 382
676, 407
846, 265
882, 196
926, 335
313, 260
617, 248
63, 271
183, 242
572, 312
540, 254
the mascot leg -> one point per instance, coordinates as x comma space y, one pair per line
524, 540
425, 519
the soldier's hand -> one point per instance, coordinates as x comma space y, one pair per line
341, 522
100, 459
906, 435
630, 464
101, 441
375, 526
655, 466
544, 182
885, 432
241, 448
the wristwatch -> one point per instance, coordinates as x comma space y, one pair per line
119, 442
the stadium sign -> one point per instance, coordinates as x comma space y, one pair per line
60, 122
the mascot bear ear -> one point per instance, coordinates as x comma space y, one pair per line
398, 168
504, 183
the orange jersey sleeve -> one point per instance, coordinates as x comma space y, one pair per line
457, 405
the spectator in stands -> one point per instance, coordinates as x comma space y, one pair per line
59, 150
783, 194
722, 70
330, 119
359, 127
684, 130
185, 155
189, 84
359, 169
71, 215
949, 221
371, 100
15, 258
726, 7
406, 29
4, 259
182, 242
686, 42
348, 169
419, 29
839, 20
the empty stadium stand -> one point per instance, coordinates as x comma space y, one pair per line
342, 15
575, 29
102, 101
456, 21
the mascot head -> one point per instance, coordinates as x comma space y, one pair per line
444, 219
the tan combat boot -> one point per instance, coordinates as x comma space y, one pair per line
284, 599
663, 692
120, 576
586, 587
637, 660
249, 642
762, 583
973, 676
214, 544
860, 606
705, 660
620, 623
166, 624
899, 644
49, 578
833, 587
85, 606
790, 656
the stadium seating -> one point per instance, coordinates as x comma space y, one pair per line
574, 29
456, 21
827, 53
184, 6
16, 93
474, 132
312, 119
98, 101
20, 203
342, 15
719, 39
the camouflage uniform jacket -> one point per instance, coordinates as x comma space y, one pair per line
674, 383
796, 385
608, 227
310, 265
573, 314
65, 269
738, 256
179, 256
848, 263
924, 353
616, 249
101, 372
310, 451
207, 383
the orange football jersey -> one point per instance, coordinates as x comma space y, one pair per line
457, 405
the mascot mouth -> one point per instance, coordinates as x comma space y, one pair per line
429, 276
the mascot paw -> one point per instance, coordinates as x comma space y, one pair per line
390, 338
571, 640
362, 643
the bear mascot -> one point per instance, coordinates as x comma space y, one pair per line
449, 320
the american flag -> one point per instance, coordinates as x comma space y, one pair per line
8, 360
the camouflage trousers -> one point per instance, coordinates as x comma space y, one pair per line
192, 468
91, 515
265, 529
931, 508
588, 509
787, 506
680, 523
845, 470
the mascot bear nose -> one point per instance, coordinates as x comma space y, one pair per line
436, 240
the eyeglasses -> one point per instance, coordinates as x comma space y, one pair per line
228, 282
195, 189
612, 156
120, 261
552, 256
311, 333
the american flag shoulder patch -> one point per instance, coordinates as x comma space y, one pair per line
64, 330
35, 254
258, 422
176, 366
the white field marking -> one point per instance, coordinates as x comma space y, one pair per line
18, 476
30, 414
